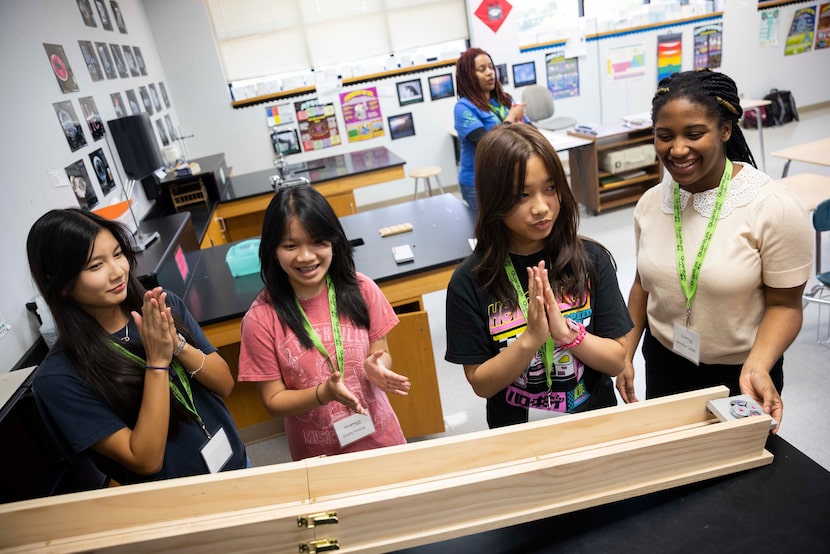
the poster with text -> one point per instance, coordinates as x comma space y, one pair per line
823, 31
708, 45
81, 185
361, 114
626, 62
770, 27
800, 37
318, 125
563, 75
280, 114
669, 55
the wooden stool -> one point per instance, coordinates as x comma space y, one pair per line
425, 173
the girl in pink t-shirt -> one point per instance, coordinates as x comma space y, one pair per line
314, 340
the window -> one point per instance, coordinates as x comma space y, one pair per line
271, 45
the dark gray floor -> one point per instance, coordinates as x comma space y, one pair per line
806, 422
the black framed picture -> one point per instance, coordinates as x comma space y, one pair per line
410, 92
401, 126
524, 74
286, 141
441, 86
501, 72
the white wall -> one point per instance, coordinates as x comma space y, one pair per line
178, 47
34, 144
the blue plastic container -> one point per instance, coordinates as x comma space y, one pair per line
243, 258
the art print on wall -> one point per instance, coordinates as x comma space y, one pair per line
103, 14
118, 104
164, 96
563, 74
318, 125
441, 86
708, 45
132, 101
120, 64
81, 185
91, 60
132, 65
86, 13
410, 92
154, 96
361, 114
101, 168
165, 141
60, 67
524, 74
401, 126
285, 141
171, 130
119, 17
106, 60
145, 99
501, 74
92, 117
139, 59
70, 125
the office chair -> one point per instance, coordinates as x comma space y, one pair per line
819, 293
539, 109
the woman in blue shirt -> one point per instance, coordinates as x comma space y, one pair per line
482, 104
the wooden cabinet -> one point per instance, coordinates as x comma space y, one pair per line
601, 190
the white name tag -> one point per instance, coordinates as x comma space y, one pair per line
686, 343
353, 428
217, 451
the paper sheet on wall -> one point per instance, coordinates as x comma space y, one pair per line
770, 27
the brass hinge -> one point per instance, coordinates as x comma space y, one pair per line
321, 518
321, 545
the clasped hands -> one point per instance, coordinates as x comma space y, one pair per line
543, 316
157, 328
377, 373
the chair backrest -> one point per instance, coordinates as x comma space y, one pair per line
538, 103
821, 223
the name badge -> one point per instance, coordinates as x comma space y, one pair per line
217, 451
686, 343
353, 428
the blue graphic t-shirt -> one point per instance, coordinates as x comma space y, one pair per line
479, 327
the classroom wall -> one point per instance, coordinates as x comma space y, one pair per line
178, 47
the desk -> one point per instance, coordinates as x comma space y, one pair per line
581, 155
810, 188
243, 201
750, 104
441, 227
777, 508
816, 152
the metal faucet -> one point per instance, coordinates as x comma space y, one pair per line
281, 179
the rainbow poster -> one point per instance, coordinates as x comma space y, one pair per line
669, 55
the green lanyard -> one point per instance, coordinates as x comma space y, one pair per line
690, 286
335, 329
500, 111
546, 350
187, 401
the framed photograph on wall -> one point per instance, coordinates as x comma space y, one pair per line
501, 72
410, 92
401, 126
524, 74
286, 141
441, 86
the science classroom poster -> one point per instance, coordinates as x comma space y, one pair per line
361, 114
318, 125
708, 45
800, 38
563, 75
626, 62
823, 31
669, 55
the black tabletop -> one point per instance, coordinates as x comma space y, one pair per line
170, 229
207, 164
317, 171
782, 507
442, 226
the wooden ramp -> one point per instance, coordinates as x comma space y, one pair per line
406, 495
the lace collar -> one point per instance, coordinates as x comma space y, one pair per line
743, 188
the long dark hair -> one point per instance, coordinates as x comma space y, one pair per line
316, 215
467, 81
500, 170
718, 94
59, 247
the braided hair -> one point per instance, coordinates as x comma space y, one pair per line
718, 94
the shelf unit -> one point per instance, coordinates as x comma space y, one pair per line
596, 196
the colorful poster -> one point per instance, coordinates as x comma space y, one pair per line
800, 38
626, 62
563, 75
708, 45
318, 125
770, 27
60, 67
279, 114
669, 55
361, 114
493, 13
823, 31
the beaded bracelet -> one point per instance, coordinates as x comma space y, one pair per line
198, 369
580, 336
